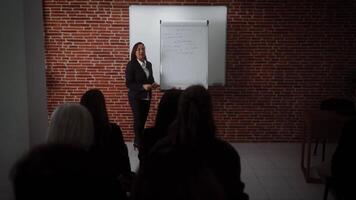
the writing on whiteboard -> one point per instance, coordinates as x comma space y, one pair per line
178, 40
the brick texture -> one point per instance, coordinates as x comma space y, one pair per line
282, 58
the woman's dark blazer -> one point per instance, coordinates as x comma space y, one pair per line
136, 77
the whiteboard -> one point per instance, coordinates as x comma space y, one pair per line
144, 26
184, 54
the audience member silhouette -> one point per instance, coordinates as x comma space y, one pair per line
71, 124
176, 174
166, 114
193, 131
109, 145
342, 166
108, 136
61, 171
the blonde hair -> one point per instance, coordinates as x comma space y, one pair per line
71, 124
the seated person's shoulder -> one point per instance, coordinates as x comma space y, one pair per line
114, 125
115, 128
149, 131
221, 147
224, 145
348, 132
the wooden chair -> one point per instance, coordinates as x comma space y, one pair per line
320, 125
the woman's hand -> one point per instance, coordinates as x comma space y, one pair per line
155, 85
147, 87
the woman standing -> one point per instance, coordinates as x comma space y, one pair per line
140, 82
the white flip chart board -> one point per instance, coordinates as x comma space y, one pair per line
183, 53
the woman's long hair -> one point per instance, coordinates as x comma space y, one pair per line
94, 101
167, 110
195, 122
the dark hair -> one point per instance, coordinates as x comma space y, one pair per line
167, 110
134, 49
94, 101
195, 123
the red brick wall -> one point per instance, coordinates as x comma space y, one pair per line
282, 59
